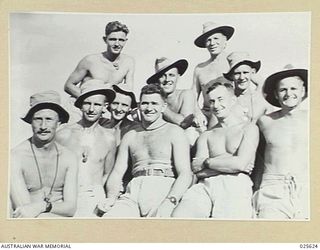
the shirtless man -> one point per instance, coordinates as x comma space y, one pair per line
43, 173
214, 38
181, 104
120, 108
110, 66
94, 146
160, 156
251, 103
224, 160
284, 191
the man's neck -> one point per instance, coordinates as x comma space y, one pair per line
155, 125
110, 56
42, 146
87, 124
229, 121
216, 57
289, 112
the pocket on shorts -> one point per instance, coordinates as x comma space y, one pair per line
273, 191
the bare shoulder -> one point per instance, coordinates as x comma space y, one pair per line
269, 118
108, 134
202, 65
186, 93
64, 134
251, 127
67, 155
174, 130
21, 149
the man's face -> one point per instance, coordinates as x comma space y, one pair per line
120, 107
290, 92
168, 81
115, 41
44, 125
216, 43
242, 76
151, 107
221, 101
92, 107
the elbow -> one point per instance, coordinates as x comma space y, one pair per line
71, 209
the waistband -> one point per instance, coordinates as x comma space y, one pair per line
282, 177
167, 172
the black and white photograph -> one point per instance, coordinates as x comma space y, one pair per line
166, 116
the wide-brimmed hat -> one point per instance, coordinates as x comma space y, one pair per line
164, 64
271, 82
46, 100
94, 87
210, 28
125, 91
235, 59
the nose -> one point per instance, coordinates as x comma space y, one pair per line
43, 124
91, 107
242, 76
119, 107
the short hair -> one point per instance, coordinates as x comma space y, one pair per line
152, 89
227, 85
116, 26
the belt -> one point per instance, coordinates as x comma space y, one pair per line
154, 172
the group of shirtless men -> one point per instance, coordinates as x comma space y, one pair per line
166, 156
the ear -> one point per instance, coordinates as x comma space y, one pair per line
164, 107
105, 108
104, 38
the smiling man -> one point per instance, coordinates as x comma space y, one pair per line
94, 145
181, 103
43, 173
284, 191
160, 161
110, 66
224, 159
214, 38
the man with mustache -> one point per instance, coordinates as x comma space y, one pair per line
284, 190
214, 38
110, 66
43, 173
181, 103
94, 145
160, 158
224, 159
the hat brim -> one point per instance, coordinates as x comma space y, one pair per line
225, 30
109, 93
63, 114
255, 65
128, 93
270, 83
181, 65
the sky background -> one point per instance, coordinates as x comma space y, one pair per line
46, 47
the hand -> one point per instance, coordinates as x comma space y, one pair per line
200, 121
165, 209
197, 164
104, 206
248, 169
29, 211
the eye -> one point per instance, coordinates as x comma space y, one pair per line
122, 40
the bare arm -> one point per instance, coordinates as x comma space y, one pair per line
115, 179
181, 156
244, 157
68, 206
110, 157
196, 88
76, 76
129, 78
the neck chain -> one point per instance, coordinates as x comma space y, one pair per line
114, 63
46, 196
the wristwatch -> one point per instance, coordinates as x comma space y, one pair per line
173, 200
48, 206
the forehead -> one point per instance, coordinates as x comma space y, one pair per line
219, 91
290, 81
217, 35
151, 98
242, 67
45, 113
117, 34
95, 98
121, 98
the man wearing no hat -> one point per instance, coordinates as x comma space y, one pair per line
214, 38
94, 145
284, 190
43, 173
181, 103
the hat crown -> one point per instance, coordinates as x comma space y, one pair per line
236, 57
162, 63
209, 26
92, 85
288, 66
49, 96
